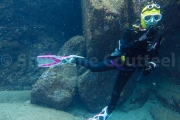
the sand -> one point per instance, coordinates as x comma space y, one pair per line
15, 105
142, 113
20, 111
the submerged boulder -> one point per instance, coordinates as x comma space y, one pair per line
162, 113
137, 100
95, 89
57, 86
74, 46
169, 96
101, 26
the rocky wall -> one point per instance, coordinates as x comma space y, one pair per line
102, 30
29, 28
101, 25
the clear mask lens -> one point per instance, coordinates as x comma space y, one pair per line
147, 18
157, 17
156, 6
150, 6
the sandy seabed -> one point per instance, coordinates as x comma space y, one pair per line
15, 105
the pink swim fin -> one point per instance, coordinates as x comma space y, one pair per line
53, 60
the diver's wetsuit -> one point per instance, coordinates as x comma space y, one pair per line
131, 47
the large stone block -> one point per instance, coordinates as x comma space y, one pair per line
101, 25
56, 87
169, 96
95, 89
162, 113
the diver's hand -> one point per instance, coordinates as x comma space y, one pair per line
116, 52
149, 68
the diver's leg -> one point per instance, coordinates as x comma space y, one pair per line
121, 81
94, 67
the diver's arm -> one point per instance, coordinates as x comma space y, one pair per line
117, 52
127, 41
158, 46
148, 68
150, 65
124, 44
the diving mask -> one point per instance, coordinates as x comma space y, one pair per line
151, 17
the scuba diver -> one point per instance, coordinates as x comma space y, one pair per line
138, 46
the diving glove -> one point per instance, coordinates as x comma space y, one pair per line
149, 68
116, 52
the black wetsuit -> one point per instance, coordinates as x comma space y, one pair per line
131, 47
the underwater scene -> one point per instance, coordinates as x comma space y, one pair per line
89, 60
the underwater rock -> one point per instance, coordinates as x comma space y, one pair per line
137, 100
169, 96
162, 113
95, 89
101, 26
74, 46
56, 87
169, 7
9, 45
33, 28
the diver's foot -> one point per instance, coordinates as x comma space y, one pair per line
103, 115
68, 59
